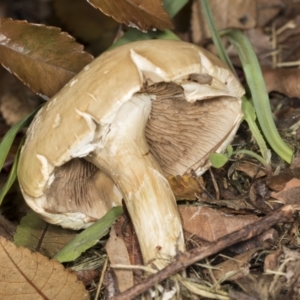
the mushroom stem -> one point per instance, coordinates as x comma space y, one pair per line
127, 159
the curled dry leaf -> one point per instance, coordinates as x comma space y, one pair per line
285, 81
145, 15
27, 275
42, 57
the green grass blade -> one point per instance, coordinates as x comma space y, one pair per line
259, 93
12, 174
9, 137
89, 237
214, 34
249, 114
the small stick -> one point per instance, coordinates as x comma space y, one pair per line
190, 257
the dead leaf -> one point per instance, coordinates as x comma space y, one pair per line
285, 81
290, 193
186, 187
251, 169
272, 260
278, 182
7, 228
37, 235
145, 15
267, 10
210, 224
117, 253
227, 14
26, 275
235, 267
42, 57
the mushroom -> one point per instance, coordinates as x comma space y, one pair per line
136, 114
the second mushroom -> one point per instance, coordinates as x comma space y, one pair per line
136, 114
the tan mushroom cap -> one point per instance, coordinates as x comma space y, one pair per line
96, 94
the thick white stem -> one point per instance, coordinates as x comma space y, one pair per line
147, 194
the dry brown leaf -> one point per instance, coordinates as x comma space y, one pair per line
278, 182
210, 224
235, 267
27, 275
186, 187
117, 253
143, 14
7, 228
227, 14
251, 169
267, 10
285, 81
290, 193
43, 57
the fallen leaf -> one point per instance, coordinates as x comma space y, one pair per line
186, 187
278, 182
251, 169
234, 267
290, 193
42, 57
285, 81
37, 235
267, 10
227, 14
210, 224
117, 254
27, 275
145, 15
7, 228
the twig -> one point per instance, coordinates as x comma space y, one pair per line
101, 279
190, 257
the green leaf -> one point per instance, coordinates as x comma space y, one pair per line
89, 237
229, 150
218, 160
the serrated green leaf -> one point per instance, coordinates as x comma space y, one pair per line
89, 237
